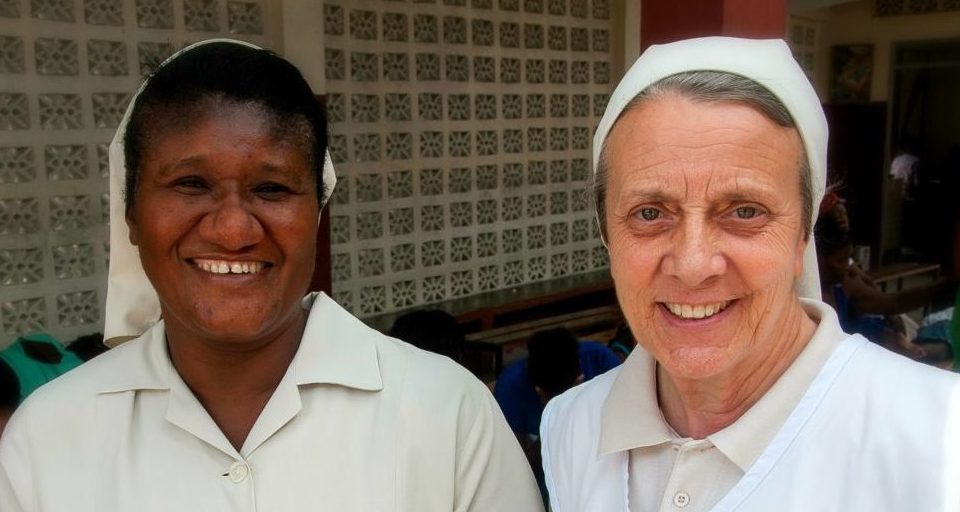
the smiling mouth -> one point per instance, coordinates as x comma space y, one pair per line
230, 267
695, 312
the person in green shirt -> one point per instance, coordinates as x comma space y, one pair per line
28, 363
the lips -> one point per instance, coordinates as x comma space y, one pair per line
695, 311
229, 267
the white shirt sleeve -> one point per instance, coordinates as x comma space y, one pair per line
492, 472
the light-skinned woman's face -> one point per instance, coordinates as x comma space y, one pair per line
704, 229
225, 219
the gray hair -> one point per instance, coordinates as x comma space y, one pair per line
712, 87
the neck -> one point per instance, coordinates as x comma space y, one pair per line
234, 381
698, 408
232, 375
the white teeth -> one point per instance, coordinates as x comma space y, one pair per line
696, 311
229, 267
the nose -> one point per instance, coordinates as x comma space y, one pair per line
693, 258
231, 224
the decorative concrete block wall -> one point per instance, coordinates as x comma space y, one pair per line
460, 129
461, 133
67, 71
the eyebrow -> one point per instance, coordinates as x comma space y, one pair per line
648, 195
172, 167
745, 191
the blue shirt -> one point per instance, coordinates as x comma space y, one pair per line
519, 400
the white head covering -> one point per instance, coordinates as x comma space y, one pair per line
767, 62
132, 303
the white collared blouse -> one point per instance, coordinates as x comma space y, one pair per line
872, 431
359, 422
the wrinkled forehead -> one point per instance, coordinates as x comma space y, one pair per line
668, 116
767, 62
669, 140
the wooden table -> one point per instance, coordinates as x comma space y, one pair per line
897, 272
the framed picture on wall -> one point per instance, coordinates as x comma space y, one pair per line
851, 71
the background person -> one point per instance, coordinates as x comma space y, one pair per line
37, 359
9, 394
431, 330
860, 305
622, 343
556, 361
31, 361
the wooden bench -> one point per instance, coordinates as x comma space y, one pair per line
497, 322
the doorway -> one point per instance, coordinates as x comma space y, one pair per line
925, 124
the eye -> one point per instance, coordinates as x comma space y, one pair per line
746, 212
191, 185
649, 214
272, 190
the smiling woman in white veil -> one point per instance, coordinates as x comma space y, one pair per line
237, 390
743, 392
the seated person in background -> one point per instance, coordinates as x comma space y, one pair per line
88, 346
9, 394
29, 362
860, 305
433, 330
36, 359
622, 342
556, 362
835, 206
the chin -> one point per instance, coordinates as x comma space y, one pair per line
232, 332
695, 363
234, 324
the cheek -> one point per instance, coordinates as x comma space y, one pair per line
634, 267
633, 260
763, 266
768, 274
295, 229
765, 274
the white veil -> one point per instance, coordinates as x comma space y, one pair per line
132, 303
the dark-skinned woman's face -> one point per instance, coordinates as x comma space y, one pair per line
225, 218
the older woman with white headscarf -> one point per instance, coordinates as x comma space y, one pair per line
743, 394
238, 393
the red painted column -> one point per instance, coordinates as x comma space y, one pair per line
663, 21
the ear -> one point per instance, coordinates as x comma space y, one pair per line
798, 257
132, 228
